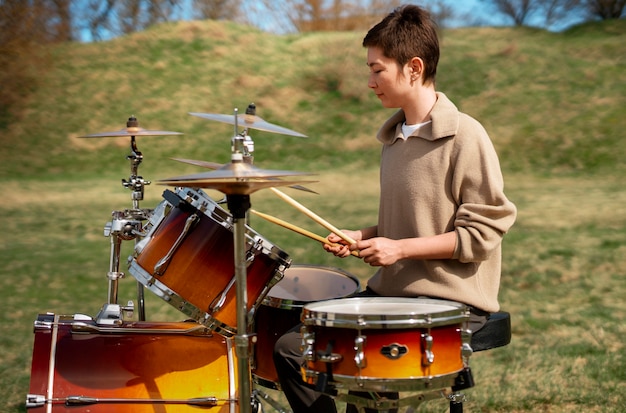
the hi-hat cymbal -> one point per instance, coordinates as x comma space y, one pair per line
132, 129
231, 186
248, 121
237, 170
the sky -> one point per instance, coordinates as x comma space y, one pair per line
467, 12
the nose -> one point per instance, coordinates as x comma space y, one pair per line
371, 82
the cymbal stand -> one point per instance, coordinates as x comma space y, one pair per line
239, 204
126, 225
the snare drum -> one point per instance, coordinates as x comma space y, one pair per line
384, 343
187, 259
137, 367
281, 309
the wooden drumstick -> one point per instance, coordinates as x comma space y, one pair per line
297, 229
313, 216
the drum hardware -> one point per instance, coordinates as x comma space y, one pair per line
428, 357
115, 314
126, 225
394, 351
33, 400
385, 404
162, 264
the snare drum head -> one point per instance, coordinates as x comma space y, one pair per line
391, 312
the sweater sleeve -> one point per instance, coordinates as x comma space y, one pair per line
484, 213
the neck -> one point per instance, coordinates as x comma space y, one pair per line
419, 110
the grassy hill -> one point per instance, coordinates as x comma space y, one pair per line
552, 102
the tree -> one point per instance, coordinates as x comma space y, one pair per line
26, 27
216, 9
605, 9
518, 10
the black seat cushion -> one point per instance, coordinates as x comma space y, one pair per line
495, 333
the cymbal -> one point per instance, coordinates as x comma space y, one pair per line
132, 131
237, 170
248, 121
215, 165
231, 186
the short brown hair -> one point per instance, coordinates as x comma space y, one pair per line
408, 31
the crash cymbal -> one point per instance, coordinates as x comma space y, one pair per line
248, 121
238, 170
132, 129
231, 186
215, 165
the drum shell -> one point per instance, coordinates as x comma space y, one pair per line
202, 267
140, 360
282, 307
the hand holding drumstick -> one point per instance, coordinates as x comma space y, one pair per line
338, 246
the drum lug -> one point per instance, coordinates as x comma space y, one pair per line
161, 266
308, 343
428, 357
252, 252
359, 356
218, 302
466, 348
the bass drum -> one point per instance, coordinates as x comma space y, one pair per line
137, 367
281, 310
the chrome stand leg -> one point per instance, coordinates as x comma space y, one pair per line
239, 205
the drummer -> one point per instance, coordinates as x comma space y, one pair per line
442, 208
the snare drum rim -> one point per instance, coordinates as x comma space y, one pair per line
313, 314
361, 383
291, 304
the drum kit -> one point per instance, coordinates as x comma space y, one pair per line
240, 293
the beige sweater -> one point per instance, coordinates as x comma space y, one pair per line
447, 178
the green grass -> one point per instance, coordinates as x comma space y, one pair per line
553, 104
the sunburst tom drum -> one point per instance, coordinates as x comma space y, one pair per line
187, 259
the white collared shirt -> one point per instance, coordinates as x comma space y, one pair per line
409, 130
